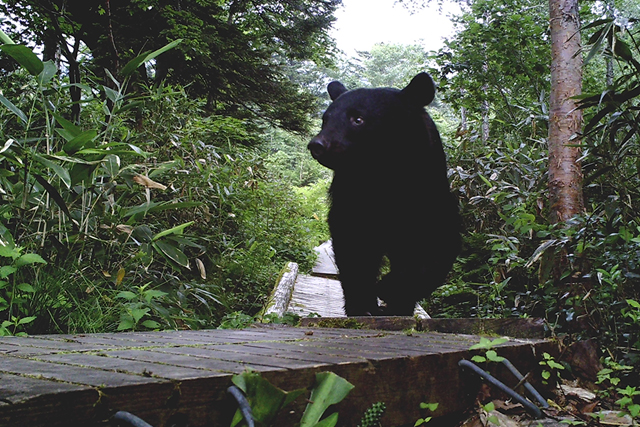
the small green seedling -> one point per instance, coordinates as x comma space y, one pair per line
552, 366
626, 402
429, 407
490, 407
490, 354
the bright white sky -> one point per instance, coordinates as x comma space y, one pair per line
362, 23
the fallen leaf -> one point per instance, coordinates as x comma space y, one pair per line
120, 276
148, 182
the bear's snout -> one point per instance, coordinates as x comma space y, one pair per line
317, 147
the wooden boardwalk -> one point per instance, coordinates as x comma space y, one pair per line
180, 377
318, 294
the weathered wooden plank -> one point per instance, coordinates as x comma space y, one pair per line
32, 402
187, 357
317, 295
17, 388
325, 265
521, 328
247, 358
281, 295
69, 374
167, 382
106, 362
293, 351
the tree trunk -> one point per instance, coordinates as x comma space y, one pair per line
565, 120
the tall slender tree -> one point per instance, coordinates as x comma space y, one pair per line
565, 119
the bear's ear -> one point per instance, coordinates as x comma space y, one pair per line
420, 91
335, 89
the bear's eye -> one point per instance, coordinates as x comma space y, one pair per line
357, 121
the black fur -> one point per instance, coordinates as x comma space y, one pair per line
390, 195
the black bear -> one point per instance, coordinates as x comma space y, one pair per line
390, 196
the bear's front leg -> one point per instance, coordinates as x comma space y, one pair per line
358, 265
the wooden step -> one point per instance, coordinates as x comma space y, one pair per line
181, 376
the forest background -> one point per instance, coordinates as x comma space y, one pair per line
154, 171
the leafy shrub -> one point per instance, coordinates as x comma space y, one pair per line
150, 211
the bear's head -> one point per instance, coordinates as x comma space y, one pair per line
361, 123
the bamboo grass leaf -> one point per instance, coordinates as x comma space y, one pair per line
15, 110
25, 57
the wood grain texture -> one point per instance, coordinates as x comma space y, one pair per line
169, 378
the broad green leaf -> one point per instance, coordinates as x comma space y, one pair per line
26, 320
429, 406
133, 65
26, 287
128, 295
484, 343
126, 324
59, 170
633, 303
330, 421
8, 252
153, 293
329, 390
28, 259
171, 252
265, 399
111, 94
70, 129
47, 73
493, 356
175, 230
15, 110
138, 313
79, 141
622, 50
25, 57
151, 324
82, 173
111, 164
7, 270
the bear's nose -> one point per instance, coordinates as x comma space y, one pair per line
317, 148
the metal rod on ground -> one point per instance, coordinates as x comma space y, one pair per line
528, 386
130, 419
243, 405
530, 407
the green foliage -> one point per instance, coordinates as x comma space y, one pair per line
487, 345
492, 419
138, 306
372, 417
267, 401
15, 295
495, 67
146, 188
429, 407
233, 54
549, 366
626, 403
